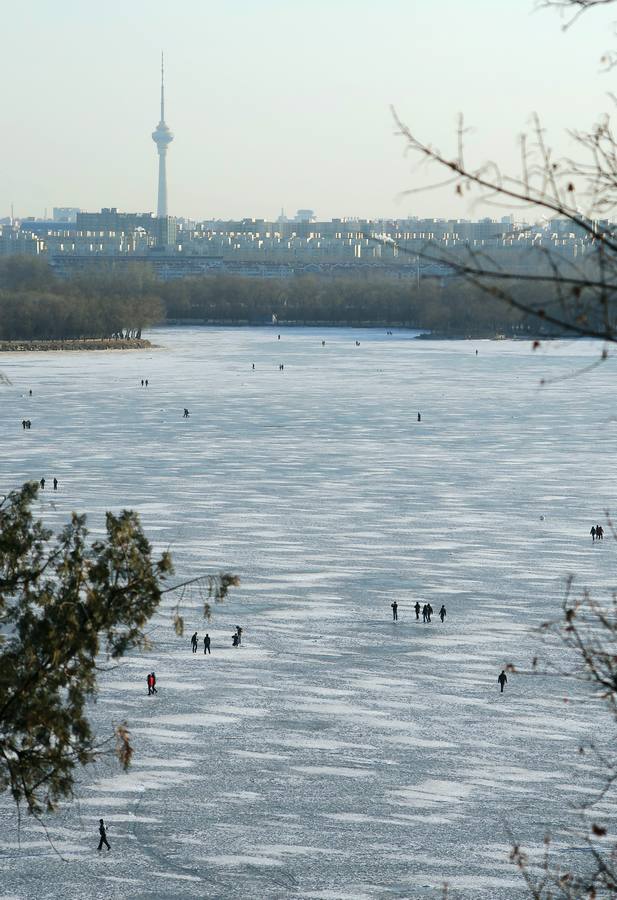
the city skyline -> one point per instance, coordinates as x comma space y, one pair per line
299, 118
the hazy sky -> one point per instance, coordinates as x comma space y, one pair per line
278, 103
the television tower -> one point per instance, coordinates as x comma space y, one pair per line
162, 137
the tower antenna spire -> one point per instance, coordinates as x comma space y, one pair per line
162, 87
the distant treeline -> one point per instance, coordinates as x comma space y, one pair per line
35, 305
454, 308
108, 302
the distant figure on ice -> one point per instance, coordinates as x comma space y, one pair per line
429, 612
23, 424
253, 366
207, 644
235, 642
55, 484
419, 417
103, 835
599, 533
186, 413
424, 613
503, 680
194, 642
442, 612
149, 682
42, 483
154, 690
279, 337
28, 423
417, 609
146, 382
239, 633
142, 382
593, 533
476, 352
30, 392
323, 343
394, 611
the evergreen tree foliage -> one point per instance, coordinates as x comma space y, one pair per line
63, 602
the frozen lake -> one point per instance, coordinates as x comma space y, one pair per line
336, 754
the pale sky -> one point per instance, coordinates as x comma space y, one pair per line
279, 103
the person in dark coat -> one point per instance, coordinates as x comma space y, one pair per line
417, 609
503, 680
103, 835
593, 533
442, 612
394, 611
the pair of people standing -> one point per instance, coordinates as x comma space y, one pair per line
42, 484
427, 612
597, 533
194, 641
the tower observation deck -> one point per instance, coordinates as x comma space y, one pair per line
162, 137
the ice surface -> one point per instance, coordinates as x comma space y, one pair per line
335, 754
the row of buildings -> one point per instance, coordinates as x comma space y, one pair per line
73, 240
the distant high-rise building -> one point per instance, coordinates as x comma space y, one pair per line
66, 213
304, 215
162, 137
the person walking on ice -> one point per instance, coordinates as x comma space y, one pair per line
103, 835
207, 644
599, 533
417, 609
394, 611
442, 613
194, 643
55, 484
503, 680
42, 483
151, 681
593, 533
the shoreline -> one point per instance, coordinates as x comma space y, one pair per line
76, 344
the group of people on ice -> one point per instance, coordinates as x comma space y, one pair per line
427, 611
236, 640
597, 533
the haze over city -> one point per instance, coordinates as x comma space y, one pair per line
278, 105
